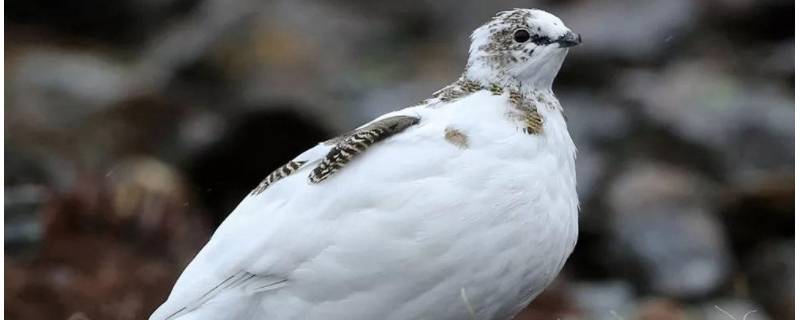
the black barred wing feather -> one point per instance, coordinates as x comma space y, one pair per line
344, 149
280, 173
358, 141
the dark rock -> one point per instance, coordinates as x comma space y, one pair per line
770, 275
124, 23
756, 204
253, 144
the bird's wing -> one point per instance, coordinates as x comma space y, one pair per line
340, 150
355, 143
233, 259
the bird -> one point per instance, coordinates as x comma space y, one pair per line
462, 206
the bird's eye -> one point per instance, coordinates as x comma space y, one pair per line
521, 36
540, 40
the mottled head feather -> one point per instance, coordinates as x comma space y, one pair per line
496, 56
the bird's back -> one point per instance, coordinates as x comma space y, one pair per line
461, 215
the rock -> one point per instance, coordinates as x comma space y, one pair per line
595, 123
593, 119
139, 200
663, 226
199, 131
377, 102
660, 309
770, 277
27, 189
776, 59
742, 22
189, 40
631, 29
252, 145
57, 88
757, 203
121, 22
706, 106
603, 299
732, 309
555, 302
22, 230
147, 193
590, 167
286, 56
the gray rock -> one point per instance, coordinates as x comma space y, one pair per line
594, 121
593, 118
59, 88
603, 300
394, 97
749, 124
590, 166
629, 29
732, 309
663, 225
22, 229
778, 60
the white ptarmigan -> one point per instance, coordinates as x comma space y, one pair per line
460, 207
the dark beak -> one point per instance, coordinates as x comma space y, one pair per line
570, 39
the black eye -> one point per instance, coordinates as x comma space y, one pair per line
521, 36
540, 40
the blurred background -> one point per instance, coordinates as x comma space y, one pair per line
133, 127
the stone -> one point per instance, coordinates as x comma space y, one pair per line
603, 299
705, 105
663, 226
631, 29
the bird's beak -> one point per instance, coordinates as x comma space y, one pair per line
570, 39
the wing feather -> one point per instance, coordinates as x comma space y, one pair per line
357, 142
223, 263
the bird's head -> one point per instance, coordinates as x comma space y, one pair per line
520, 46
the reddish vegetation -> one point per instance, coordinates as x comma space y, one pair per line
94, 263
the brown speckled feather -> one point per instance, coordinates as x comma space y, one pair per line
528, 112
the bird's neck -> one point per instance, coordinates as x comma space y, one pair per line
527, 88
536, 76
490, 78
472, 81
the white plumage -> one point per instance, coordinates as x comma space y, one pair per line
418, 225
